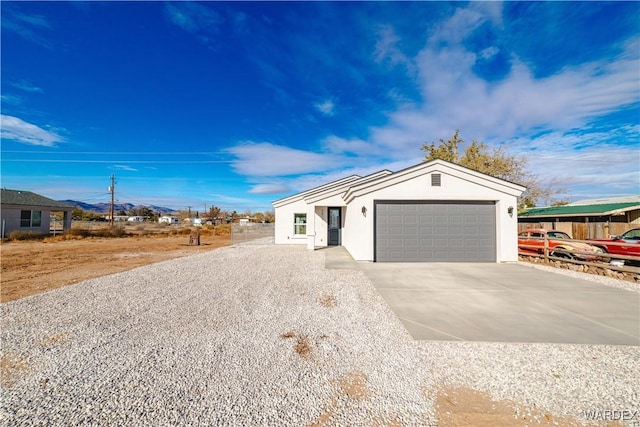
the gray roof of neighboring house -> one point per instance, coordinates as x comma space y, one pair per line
27, 198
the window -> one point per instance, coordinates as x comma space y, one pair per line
436, 180
30, 218
36, 218
300, 223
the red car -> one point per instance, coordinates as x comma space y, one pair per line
560, 245
632, 237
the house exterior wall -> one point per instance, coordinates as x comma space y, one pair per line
284, 228
358, 233
319, 239
10, 219
318, 235
412, 184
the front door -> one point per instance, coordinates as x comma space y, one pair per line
335, 225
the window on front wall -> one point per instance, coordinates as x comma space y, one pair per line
300, 223
30, 218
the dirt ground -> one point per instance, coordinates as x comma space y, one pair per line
32, 267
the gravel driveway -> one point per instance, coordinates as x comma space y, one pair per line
266, 335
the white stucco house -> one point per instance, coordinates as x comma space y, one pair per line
433, 211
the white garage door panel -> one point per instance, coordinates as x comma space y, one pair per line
435, 231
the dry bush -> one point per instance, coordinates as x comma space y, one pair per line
222, 230
78, 232
24, 235
75, 233
207, 230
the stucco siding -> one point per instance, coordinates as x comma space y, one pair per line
284, 228
358, 233
357, 199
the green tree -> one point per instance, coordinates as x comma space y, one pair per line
77, 214
497, 163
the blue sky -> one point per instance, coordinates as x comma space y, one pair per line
239, 104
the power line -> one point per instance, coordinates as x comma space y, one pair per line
146, 153
118, 161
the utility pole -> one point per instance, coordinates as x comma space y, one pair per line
112, 190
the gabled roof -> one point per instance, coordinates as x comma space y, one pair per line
355, 185
27, 198
344, 187
314, 190
601, 209
436, 165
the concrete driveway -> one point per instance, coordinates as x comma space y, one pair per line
500, 303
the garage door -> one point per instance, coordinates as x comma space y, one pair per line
435, 231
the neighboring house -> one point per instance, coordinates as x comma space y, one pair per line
27, 211
618, 209
168, 219
193, 221
433, 211
136, 218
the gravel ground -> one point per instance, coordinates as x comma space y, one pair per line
603, 280
265, 335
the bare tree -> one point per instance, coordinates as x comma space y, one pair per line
497, 163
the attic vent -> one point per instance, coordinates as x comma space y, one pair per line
436, 180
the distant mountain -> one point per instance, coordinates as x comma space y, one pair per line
104, 207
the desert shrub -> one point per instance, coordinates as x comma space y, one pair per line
223, 230
24, 235
101, 232
79, 232
110, 232
207, 230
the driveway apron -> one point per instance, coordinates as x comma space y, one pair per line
501, 303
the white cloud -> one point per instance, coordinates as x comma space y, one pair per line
326, 107
193, 17
266, 159
273, 188
198, 20
125, 168
27, 26
513, 111
11, 99
27, 86
454, 97
489, 52
18, 130
386, 49
355, 146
